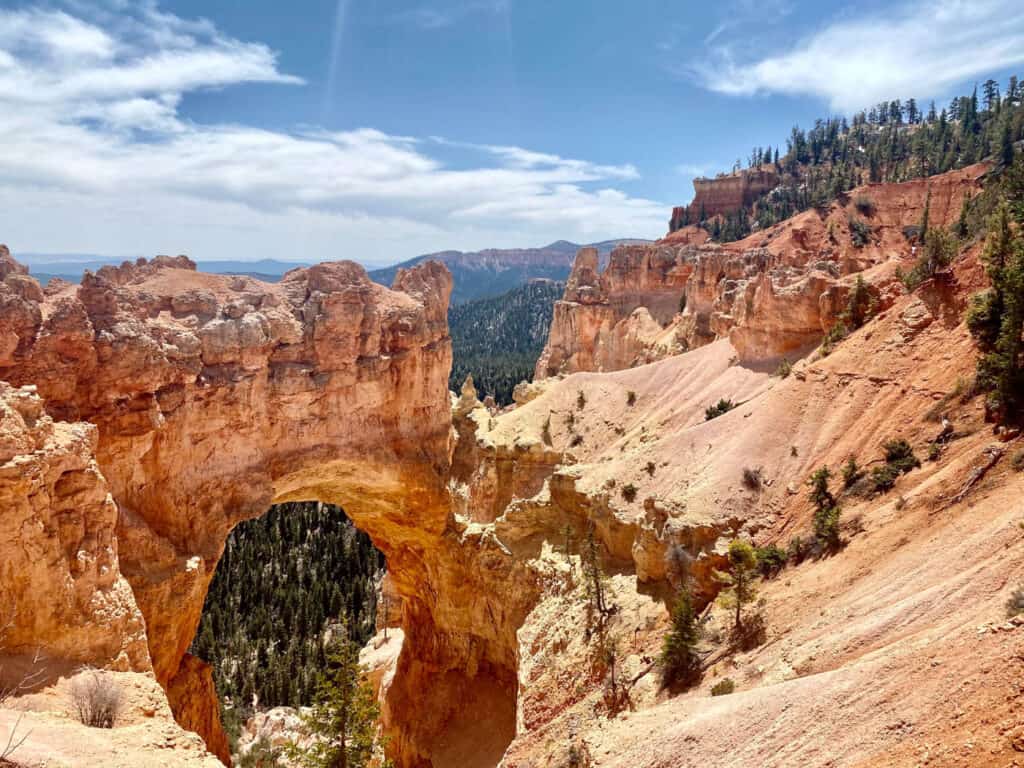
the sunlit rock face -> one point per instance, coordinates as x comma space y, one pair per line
773, 294
198, 401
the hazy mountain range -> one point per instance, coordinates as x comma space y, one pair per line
477, 274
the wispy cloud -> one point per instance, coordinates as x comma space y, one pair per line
431, 17
921, 48
694, 170
96, 155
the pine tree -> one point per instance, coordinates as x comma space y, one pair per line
680, 662
343, 719
826, 511
738, 584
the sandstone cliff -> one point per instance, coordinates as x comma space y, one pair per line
774, 294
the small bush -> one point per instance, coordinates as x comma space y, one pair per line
716, 410
1015, 605
884, 478
581, 401
650, 468
939, 251
723, 687
900, 456
629, 492
770, 559
864, 205
752, 478
577, 439
838, 333
631, 397
784, 369
97, 699
851, 472
793, 451
1017, 461
797, 550
934, 451
860, 232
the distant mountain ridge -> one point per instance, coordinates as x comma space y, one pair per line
477, 274
494, 271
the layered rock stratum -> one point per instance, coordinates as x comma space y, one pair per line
773, 294
180, 403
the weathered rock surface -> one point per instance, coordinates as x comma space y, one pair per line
62, 587
207, 399
774, 294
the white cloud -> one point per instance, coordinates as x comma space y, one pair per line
95, 156
916, 49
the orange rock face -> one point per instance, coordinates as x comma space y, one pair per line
200, 400
773, 294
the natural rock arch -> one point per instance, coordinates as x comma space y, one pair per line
215, 396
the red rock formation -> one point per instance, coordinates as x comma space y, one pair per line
724, 194
213, 397
773, 294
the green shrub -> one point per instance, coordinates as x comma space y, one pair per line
723, 687
826, 511
650, 468
884, 478
939, 250
797, 550
577, 439
751, 478
899, 455
860, 232
838, 332
859, 304
581, 400
1015, 605
629, 492
784, 369
851, 472
770, 559
934, 451
631, 397
716, 410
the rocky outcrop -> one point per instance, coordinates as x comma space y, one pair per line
724, 194
190, 693
59, 567
207, 399
774, 294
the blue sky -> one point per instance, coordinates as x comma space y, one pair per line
380, 129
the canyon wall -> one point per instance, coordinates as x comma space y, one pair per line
774, 294
200, 400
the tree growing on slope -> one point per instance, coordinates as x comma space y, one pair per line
343, 719
739, 588
826, 510
996, 319
680, 662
